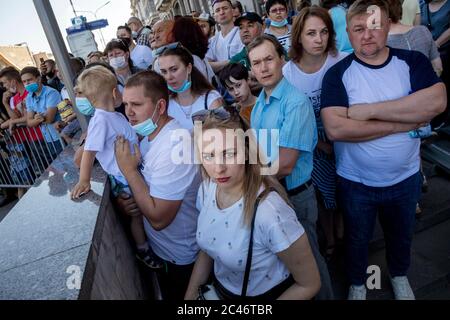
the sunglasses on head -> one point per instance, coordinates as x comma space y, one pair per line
120, 41
222, 114
171, 46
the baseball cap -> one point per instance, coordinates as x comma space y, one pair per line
250, 16
206, 17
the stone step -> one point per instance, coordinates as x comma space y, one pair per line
435, 205
429, 273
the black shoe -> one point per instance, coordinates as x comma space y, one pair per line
150, 259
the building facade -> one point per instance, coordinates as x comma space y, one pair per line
150, 10
17, 56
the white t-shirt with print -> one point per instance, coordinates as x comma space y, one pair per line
222, 236
103, 130
223, 48
183, 114
174, 182
311, 83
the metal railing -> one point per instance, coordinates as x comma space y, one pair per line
25, 154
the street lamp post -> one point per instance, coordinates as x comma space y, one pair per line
73, 8
56, 42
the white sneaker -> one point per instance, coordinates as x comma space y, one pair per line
357, 292
402, 289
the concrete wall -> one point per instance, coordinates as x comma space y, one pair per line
52, 248
111, 271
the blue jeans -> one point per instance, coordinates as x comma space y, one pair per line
396, 207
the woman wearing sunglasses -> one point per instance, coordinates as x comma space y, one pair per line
251, 242
190, 91
277, 11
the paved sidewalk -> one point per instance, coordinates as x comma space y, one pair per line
6, 209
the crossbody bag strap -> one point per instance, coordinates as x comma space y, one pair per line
206, 99
250, 248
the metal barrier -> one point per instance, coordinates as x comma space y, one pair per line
25, 154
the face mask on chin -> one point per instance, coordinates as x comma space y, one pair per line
187, 84
146, 128
279, 24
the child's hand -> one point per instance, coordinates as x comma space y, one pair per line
127, 162
80, 189
5, 125
39, 117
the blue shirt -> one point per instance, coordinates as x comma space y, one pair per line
338, 15
290, 112
440, 20
49, 98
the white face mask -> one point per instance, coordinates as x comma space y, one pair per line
118, 62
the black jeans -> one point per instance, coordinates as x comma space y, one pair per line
174, 280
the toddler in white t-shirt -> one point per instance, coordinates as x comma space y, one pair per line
98, 86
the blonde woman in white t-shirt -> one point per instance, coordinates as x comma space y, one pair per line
282, 265
190, 91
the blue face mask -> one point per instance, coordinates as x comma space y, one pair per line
279, 24
85, 106
32, 87
185, 87
146, 128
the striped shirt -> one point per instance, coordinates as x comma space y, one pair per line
284, 40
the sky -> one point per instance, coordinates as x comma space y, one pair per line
19, 21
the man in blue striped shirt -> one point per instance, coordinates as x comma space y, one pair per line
283, 108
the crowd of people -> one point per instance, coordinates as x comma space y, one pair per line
348, 97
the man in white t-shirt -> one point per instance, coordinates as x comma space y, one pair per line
370, 101
165, 191
227, 42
